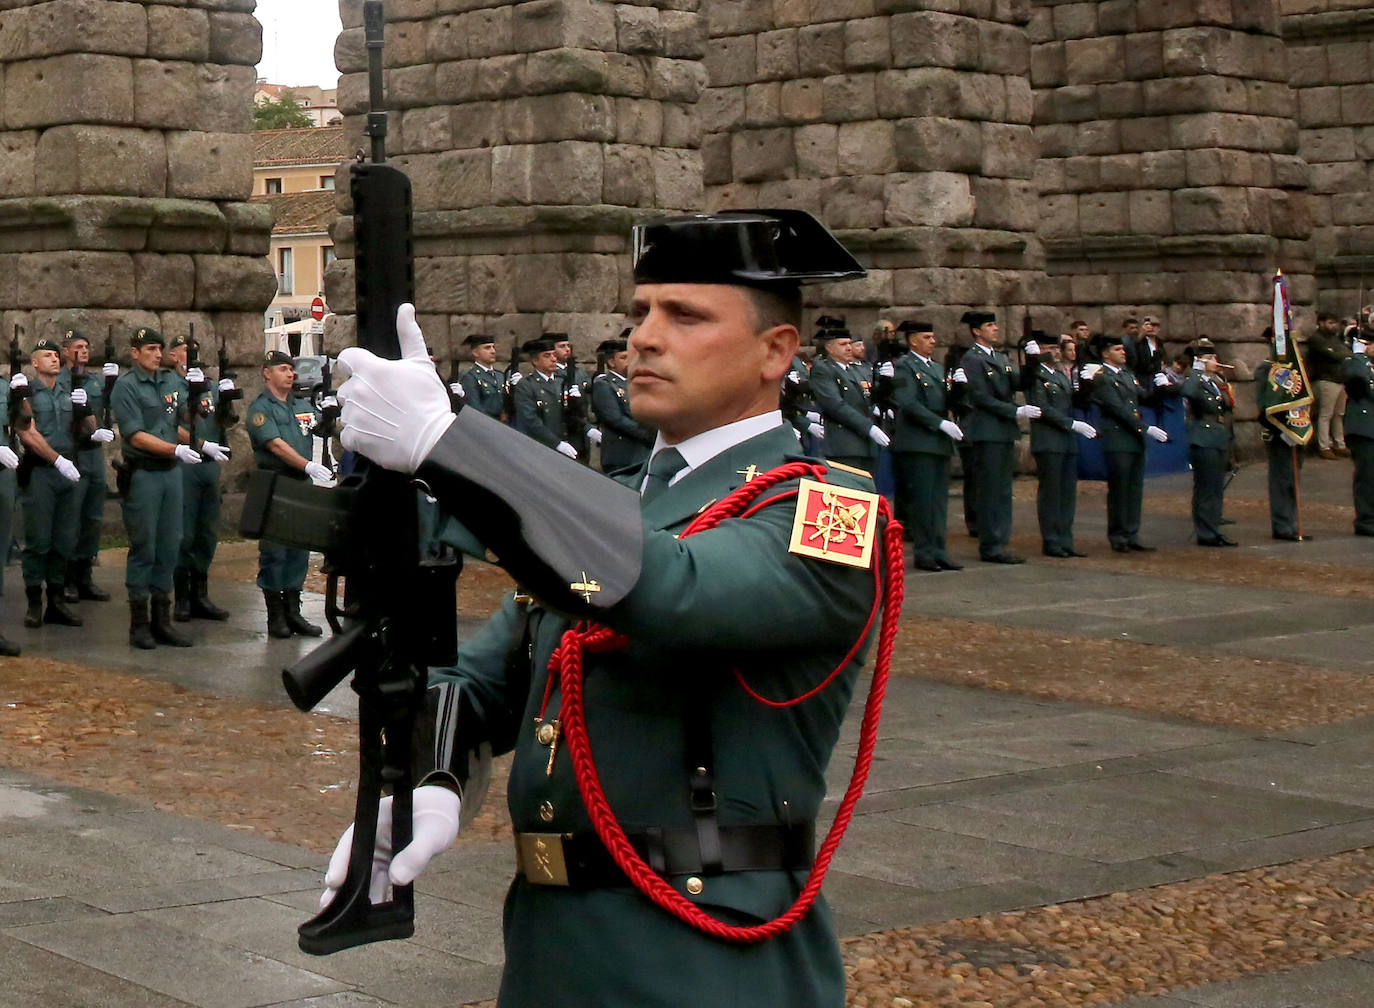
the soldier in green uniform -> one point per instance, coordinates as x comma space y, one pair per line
9, 490
851, 436
922, 444
1054, 445
48, 481
482, 386
1357, 372
539, 397
90, 461
147, 401
672, 729
1209, 443
203, 428
625, 442
280, 426
1117, 393
991, 433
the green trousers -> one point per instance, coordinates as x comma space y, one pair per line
1056, 498
152, 519
1125, 496
50, 526
9, 498
923, 501
200, 504
90, 508
1362, 450
281, 568
994, 466
1209, 486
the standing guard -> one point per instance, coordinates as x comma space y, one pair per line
1124, 430
281, 427
9, 490
842, 401
90, 462
539, 397
482, 386
1054, 444
1209, 443
625, 442
1357, 372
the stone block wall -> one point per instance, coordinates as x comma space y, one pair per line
125, 169
1331, 61
905, 125
535, 133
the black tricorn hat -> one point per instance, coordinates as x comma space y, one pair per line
539, 344
772, 249
974, 319
479, 339
1105, 340
611, 346
915, 326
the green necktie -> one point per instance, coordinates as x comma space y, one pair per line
662, 468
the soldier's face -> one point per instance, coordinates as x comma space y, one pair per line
1115, 355
563, 350
620, 361
77, 353
148, 356
699, 359
178, 355
279, 378
988, 334
546, 361
842, 350
923, 343
46, 362
485, 354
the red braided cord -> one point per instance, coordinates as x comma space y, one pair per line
567, 660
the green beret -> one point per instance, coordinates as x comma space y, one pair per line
46, 344
276, 357
143, 336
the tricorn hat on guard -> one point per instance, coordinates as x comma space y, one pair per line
611, 346
479, 339
975, 319
539, 344
911, 326
773, 249
829, 327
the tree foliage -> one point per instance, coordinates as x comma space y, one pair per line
281, 113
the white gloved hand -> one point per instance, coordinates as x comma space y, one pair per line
1090, 371
1087, 430
79, 397
566, 449
1289, 439
195, 376
110, 369
457, 389
1032, 349
890, 414
434, 827
1028, 412
1199, 364
886, 370
961, 376
794, 377
1161, 379
574, 391
215, 452
20, 380
102, 435
394, 411
8, 458
879, 436
328, 403
67, 468
515, 379
319, 474
816, 430
812, 416
187, 454
593, 435
952, 429
226, 384
1158, 433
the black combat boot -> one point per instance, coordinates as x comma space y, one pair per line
295, 620
57, 611
201, 606
276, 614
70, 593
34, 616
163, 630
140, 633
86, 588
181, 588
8, 648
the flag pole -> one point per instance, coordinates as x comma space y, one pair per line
1297, 490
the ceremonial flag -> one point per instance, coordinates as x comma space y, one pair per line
1287, 397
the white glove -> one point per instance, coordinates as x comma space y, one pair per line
8, 458
1158, 433
515, 378
1199, 364
574, 391
816, 430
1087, 430
961, 376
20, 380
394, 411
79, 397
593, 435
457, 389
434, 827
195, 376
319, 474
952, 429
890, 414
226, 384
1028, 412
110, 369
1161, 379
1032, 349
812, 416
67, 468
1089, 371
794, 377
215, 452
102, 435
886, 370
566, 449
1289, 439
187, 454
879, 436
329, 402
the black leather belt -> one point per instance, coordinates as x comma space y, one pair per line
581, 861
135, 464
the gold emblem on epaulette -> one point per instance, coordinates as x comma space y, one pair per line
835, 523
259, 419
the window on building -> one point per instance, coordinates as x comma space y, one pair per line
327, 256
272, 186
286, 273
326, 181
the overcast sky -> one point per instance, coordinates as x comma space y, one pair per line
298, 41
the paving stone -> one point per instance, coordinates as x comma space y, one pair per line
1337, 983
34, 976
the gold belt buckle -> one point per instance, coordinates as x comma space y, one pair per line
540, 857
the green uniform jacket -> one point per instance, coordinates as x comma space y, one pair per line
1358, 374
1052, 390
90, 456
148, 403
1208, 407
918, 396
991, 396
624, 440
703, 606
1118, 396
485, 389
539, 408
52, 413
843, 404
292, 421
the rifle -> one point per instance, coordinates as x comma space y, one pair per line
224, 410
81, 435
574, 409
196, 390
17, 420
329, 415
508, 389
106, 410
397, 616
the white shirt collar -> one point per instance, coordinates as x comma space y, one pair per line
986, 349
617, 374
923, 360
1113, 370
703, 447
